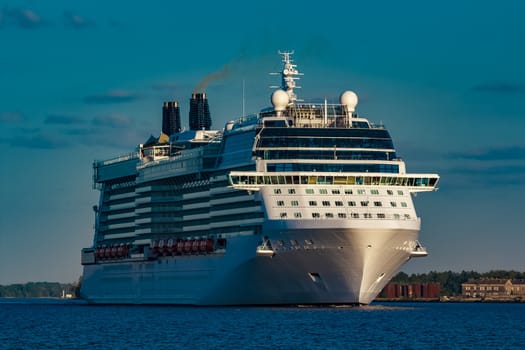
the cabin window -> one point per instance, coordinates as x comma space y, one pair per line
348, 191
374, 191
399, 192
309, 191
364, 203
294, 203
393, 204
335, 192
316, 215
341, 215
329, 215
338, 203
323, 191
277, 191
378, 204
390, 192
297, 215
283, 215
291, 191
326, 203
312, 203
403, 204
351, 204
280, 203
355, 215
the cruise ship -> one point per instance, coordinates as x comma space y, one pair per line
301, 203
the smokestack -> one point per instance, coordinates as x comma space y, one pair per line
170, 118
199, 112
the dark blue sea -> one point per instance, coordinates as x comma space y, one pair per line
57, 324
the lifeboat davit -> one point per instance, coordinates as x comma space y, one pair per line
161, 246
180, 246
120, 251
155, 247
168, 249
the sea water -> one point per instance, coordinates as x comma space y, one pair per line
58, 324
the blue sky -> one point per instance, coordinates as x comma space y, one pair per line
86, 80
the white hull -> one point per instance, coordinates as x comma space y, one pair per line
342, 266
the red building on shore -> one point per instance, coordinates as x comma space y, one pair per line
411, 291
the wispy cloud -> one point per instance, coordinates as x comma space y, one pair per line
114, 130
115, 121
165, 86
39, 141
73, 20
114, 96
56, 119
503, 153
468, 175
24, 18
11, 117
500, 87
504, 166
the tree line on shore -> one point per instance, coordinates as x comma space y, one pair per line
39, 290
450, 282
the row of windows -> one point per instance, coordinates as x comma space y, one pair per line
397, 180
337, 191
332, 168
281, 203
299, 215
330, 154
324, 142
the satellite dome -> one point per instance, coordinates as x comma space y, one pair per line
280, 100
349, 99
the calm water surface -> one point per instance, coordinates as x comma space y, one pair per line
56, 324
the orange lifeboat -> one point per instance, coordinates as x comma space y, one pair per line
209, 245
107, 252
195, 246
187, 246
120, 250
202, 246
125, 250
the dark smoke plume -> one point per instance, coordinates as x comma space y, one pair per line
218, 75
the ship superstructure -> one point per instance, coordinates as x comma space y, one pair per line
302, 203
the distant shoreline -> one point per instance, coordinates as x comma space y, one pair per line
446, 299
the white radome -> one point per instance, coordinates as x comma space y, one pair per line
280, 100
349, 99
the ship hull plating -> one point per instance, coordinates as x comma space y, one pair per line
336, 266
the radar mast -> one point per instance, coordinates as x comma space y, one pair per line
289, 75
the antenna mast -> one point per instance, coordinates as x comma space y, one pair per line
289, 75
